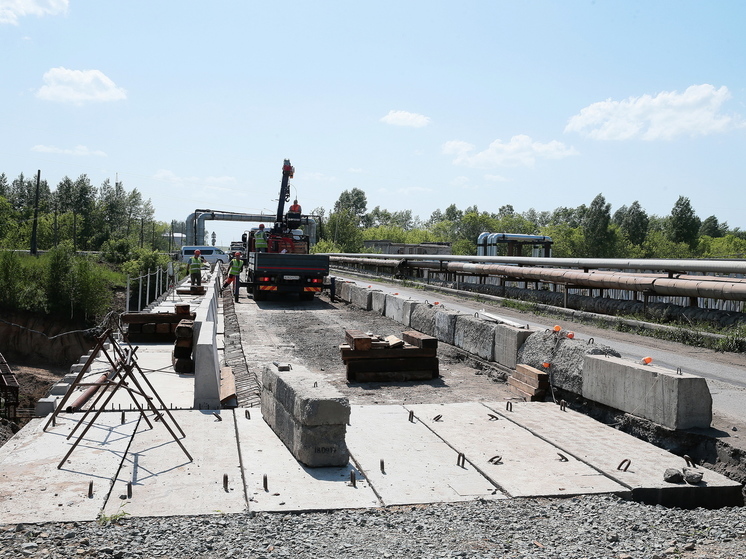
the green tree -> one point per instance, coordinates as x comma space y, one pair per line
352, 201
599, 237
712, 228
683, 223
632, 222
343, 229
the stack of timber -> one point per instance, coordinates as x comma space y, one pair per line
370, 358
191, 290
529, 383
181, 356
144, 327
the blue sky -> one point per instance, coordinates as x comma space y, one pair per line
421, 104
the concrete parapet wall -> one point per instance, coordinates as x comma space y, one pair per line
422, 319
475, 336
398, 308
445, 326
360, 296
508, 340
206, 361
676, 401
378, 302
342, 290
308, 414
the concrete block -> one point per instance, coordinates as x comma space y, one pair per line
422, 319
398, 308
378, 302
76, 367
360, 297
508, 340
307, 396
308, 414
475, 336
343, 290
59, 389
409, 308
676, 401
445, 325
45, 406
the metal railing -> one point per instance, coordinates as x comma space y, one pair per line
151, 286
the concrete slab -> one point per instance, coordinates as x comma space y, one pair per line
528, 465
290, 485
418, 467
606, 448
32, 489
164, 481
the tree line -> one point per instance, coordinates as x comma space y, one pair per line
591, 231
91, 218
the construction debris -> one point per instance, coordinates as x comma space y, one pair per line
371, 358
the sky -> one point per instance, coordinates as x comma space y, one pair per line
419, 103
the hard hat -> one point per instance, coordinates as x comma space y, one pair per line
197, 252
261, 226
237, 254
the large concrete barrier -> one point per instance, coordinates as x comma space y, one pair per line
422, 319
445, 325
508, 340
206, 360
360, 296
342, 290
676, 401
475, 336
396, 309
308, 414
378, 302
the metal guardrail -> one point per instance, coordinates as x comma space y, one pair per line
154, 283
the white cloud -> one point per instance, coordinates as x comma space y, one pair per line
11, 10
496, 178
403, 118
77, 150
79, 86
519, 151
664, 116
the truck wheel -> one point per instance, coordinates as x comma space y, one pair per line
258, 294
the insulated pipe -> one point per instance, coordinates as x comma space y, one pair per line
668, 266
688, 286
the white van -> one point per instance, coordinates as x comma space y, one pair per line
210, 254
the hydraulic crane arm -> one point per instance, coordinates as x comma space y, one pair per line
287, 173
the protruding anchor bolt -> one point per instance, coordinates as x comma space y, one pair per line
217, 415
157, 417
122, 418
225, 482
411, 416
90, 489
264, 482
461, 460
562, 458
248, 414
689, 461
563, 405
129, 489
493, 417
496, 460
509, 405
383, 467
624, 464
353, 479
315, 384
437, 417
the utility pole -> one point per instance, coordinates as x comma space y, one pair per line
36, 214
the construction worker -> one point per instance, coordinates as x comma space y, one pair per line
294, 215
195, 267
235, 268
260, 239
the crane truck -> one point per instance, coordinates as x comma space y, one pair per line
286, 266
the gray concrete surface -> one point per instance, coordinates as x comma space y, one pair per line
399, 455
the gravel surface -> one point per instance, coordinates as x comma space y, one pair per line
583, 527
